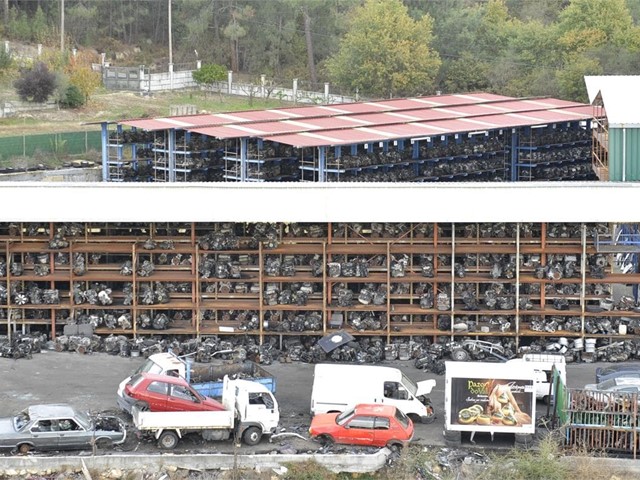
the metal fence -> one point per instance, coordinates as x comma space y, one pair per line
69, 143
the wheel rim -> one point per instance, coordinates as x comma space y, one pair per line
24, 448
168, 441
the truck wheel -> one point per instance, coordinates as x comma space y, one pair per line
252, 436
168, 440
459, 355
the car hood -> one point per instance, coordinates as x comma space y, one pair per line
6, 425
425, 387
323, 421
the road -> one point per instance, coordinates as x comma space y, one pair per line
89, 382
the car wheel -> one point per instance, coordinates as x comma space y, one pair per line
459, 355
395, 447
104, 443
142, 406
168, 440
252, 436
24, 448
326, 440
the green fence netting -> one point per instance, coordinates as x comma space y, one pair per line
59, 144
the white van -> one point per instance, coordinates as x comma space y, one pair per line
337, 387
542, 364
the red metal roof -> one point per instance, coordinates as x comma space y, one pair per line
217, 119
440, 127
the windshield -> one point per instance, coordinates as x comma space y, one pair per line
345, 416
21, 420
410, 384
83, 419
402, 418
149, 367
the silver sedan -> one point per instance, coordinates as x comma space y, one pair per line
59, 427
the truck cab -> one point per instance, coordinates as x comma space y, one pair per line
543, 365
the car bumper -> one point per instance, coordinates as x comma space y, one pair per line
125, 402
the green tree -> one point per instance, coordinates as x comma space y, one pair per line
209, 74
385, 52
36, 84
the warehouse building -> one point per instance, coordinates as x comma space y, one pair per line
616, 102
450, 138
293, 264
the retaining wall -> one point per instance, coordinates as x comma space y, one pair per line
93, 174
20, 465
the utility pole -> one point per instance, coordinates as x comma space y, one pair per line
170, 40
62, 25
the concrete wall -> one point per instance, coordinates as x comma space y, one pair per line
9, 109
157, 82
93, 174
19, 465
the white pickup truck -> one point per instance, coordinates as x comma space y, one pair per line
251, 411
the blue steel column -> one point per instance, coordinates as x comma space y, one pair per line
514, 155
172, 155
322, 164
105, 151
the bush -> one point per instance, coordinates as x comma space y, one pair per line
36, 84
72, 98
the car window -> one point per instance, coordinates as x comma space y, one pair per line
158, 387
361, 421
345, 416
382, 423
42, 426
260, 398
67, 425
179, 391
135, 381
402, 418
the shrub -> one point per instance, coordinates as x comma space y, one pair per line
36, 84
72, 98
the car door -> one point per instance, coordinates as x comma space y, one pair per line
358, 431
182, 399
71, 435
42, 435
156, 396
382, 431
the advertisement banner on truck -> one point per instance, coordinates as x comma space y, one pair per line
497, 404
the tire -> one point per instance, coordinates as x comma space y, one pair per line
459, 355
24, 448
395, 447
325, 440
523, 440
452, 438
252, 436
168, 440
142, 406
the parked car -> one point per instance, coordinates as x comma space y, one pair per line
164, 393
620, 370
59, 427
617, 384
365, 424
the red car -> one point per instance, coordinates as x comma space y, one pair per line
164, 393
365, 424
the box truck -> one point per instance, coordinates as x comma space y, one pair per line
337, 387
495, 398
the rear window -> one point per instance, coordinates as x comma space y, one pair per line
402, 418
149, 367
135, 381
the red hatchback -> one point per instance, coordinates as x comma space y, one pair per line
366, 424
163, 393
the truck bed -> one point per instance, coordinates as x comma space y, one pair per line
207, 379
182, 420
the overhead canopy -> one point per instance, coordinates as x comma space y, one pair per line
321, 202
216, 119
620, 96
